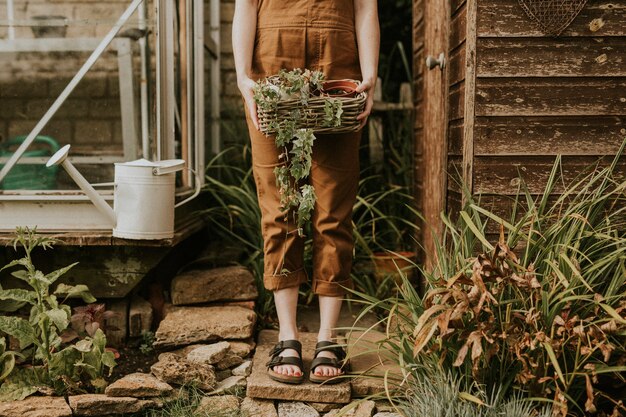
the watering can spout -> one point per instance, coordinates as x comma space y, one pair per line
60, 158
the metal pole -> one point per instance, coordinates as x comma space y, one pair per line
143, 50
70, 87
216, 141
10, 17
166, 98
198, 89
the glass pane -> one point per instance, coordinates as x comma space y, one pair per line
41, 49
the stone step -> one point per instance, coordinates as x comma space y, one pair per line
261, 386
233, 283
370, 363
189, 325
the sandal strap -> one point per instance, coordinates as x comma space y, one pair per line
286, 344
326, 362
285, 360
327, 346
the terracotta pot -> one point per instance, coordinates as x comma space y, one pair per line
339, 88
389, 264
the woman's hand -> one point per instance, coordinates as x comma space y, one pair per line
367, 87
246, 86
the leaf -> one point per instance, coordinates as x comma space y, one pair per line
99, 340
59, 317
554, 361
18, 295
108, 359
23, 261
63, 363
611, 311
424, 336
84, 345
469, 397
53, 276
479, 235
22, 383
8, 363
72, 291
589, 405
10, 306
18, 328
21, 274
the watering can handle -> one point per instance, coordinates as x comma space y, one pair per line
195, 194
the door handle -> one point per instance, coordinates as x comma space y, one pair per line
432, 62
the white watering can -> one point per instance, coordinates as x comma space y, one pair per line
143, 204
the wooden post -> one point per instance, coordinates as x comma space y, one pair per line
435, 124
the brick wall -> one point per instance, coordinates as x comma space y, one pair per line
90, 119
234, 129
30, 82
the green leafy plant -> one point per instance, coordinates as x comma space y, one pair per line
55, 365
297, 144
147, 342
540, 313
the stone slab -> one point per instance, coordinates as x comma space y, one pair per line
102, 405
218, 405
139, 385
252, 407
324, 407
189, 325
261, 386
296, 409
355, 409
36, 407
233, 283
209, 354
175, 369
369, 364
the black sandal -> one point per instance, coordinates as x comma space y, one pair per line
277, 359
340, 363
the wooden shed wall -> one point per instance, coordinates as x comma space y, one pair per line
538, 96
418, 96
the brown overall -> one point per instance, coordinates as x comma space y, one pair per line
317, 35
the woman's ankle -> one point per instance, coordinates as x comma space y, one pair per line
288, 334
326, 336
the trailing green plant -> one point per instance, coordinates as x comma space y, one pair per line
296, 144
542, 312
54, 365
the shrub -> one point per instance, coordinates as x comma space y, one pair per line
56, 365
542, 312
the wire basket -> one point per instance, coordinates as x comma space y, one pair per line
311, 115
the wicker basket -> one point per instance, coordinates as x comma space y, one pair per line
312, 114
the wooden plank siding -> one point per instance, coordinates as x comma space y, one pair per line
418, 99
460, 106
538, 96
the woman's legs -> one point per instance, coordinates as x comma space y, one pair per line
330, 307
286, 301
